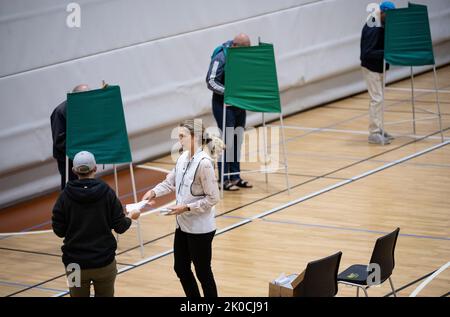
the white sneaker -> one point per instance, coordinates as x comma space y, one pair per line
377, 138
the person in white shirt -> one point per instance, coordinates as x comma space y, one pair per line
195, 184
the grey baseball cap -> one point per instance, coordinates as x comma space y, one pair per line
84, 162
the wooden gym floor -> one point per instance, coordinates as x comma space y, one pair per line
345, 194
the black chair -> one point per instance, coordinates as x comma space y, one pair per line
320, 278
383, 255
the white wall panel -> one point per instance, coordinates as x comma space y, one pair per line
158, 52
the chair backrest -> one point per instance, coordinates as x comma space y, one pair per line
383, 254
320, 278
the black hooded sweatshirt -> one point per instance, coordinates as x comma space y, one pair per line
84, 215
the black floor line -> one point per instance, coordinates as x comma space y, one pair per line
169, 234
446, 294
263, 198
145, 243
32, 252
249, 221
35, 285
48, 254
409, 284
271, 195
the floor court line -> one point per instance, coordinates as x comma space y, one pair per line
328, 173
290, 139
27, 285
282, 207
346, 158
409, 284
416, 136
404, 100
245, 170
390, 150
28, 230
390, 111
348, 120
36, 285
353, 158
291, 222
48, 254
169, 234
429, 279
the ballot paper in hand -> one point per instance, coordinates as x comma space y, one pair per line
136, 206
165, 211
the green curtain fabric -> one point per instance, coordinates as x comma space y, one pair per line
407, 39
251, 79
96, 123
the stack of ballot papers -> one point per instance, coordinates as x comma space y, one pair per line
164, 211
285, 280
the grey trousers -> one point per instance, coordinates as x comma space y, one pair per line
374, 82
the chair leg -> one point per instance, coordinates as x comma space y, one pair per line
365, 292
357, 292
392, 286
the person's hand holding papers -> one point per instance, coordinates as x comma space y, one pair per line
149, 197
134, 210
178, 209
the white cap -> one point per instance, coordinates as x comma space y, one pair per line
84, 162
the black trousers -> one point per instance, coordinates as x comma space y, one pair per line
62, 172
196, 248
235, 118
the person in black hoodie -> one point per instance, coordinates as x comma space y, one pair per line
84, 215
372, 55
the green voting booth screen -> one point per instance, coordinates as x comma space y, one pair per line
96, 123
251, 79
407, 39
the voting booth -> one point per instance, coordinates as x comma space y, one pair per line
96, 123
408, 43
251, 84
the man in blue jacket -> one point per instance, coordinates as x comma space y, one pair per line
372, 55
235, 117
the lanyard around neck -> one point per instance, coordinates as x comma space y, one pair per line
184, 174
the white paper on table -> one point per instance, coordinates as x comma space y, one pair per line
136, 206
281, 280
